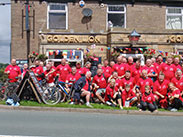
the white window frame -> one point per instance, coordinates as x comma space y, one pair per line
57, 11
173, 14
116, 12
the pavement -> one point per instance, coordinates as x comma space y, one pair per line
89, 110
14, 122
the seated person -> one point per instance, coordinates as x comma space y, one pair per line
128, 96
175, 98
111, 96
49, 75
148, 100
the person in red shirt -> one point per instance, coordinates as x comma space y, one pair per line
106, 69
49, 75
13, 71
111, 96
25, 69
112, 63
159, 63
136, 71
120, 67
140, 86
176, 63
128, 96
38, 71
130, 65
175, 98
117, 80
87, 67
99, 83
148, 100
168, 69
127, 80
160, 90
79, 68
63, 70
36, 64
52, 64
178, 80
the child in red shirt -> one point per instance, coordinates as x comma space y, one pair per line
148, 100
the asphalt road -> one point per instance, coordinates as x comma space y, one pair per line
71, 124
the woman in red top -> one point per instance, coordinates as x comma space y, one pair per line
175, 98
148, 100
111, 96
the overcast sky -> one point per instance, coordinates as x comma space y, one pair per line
5, 32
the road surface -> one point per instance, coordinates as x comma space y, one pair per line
74, 124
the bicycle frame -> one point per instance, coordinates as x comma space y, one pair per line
63, 88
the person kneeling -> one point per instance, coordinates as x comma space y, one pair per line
148, 100
111, 96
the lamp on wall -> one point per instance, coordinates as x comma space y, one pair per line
134, 37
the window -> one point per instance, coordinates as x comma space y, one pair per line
174, 18
116, 16
57, 16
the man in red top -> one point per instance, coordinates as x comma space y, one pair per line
117, 80
127, 80
49, 76
160, 90
128, 96
100, 84
79, 68
25, 69
176, 63
168, 69
38, 71
63, 70
87, 67
130, 65
178, 80
136, 71
52, 64
159, 63
120, 67
13, 71
111, 96
106, 69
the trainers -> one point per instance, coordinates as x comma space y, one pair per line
121, 107
71, 103
173, 110
88, 105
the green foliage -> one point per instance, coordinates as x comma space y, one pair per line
3, 76
42, 57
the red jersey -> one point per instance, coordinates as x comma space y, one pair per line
80, 70
70, 78
130, 82
130, 67
100, 81
86, 86
148, 98
130, 94
175, 92
178, 83
177, 67
117, 84
158, 67
85, 70
136, 72
107, 71
143, 82
50, 77
24, 72
14, 72
161, 87
150, 70
38, 70
169, 71
120, 68
63, 71
109, 91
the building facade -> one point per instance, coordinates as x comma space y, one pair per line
71, 29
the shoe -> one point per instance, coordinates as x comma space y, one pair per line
173, 110
88, 105
121, 107
71, 103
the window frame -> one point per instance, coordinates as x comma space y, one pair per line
57, 11
173, 14
116, 12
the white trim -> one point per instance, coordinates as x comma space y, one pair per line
57, 11
116, 12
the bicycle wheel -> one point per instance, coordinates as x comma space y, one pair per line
51, 96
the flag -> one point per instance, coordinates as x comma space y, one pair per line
161, 52
141, 50
166, 53
87, 50
93, 46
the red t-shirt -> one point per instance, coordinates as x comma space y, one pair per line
109, 91
70, 78
85, 70
38, 70
63, 71
50, 77
80, 70
161, 87
86, 86
120, 68
169, 71
130, 94
130, 67
14, 72
150, 70
177, 67
100, 81
143, 82
158, 67
148, 98
107, 71
117, 84
175, 92
136, 72
24, 72
178, 83
130, 81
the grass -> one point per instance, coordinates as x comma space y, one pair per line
66, 105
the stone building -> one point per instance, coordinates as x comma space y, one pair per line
70, 29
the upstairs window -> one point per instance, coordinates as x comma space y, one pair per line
57, 16
116, 15
174, 18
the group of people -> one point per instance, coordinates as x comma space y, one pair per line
123, 83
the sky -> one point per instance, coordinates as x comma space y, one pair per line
5, 32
